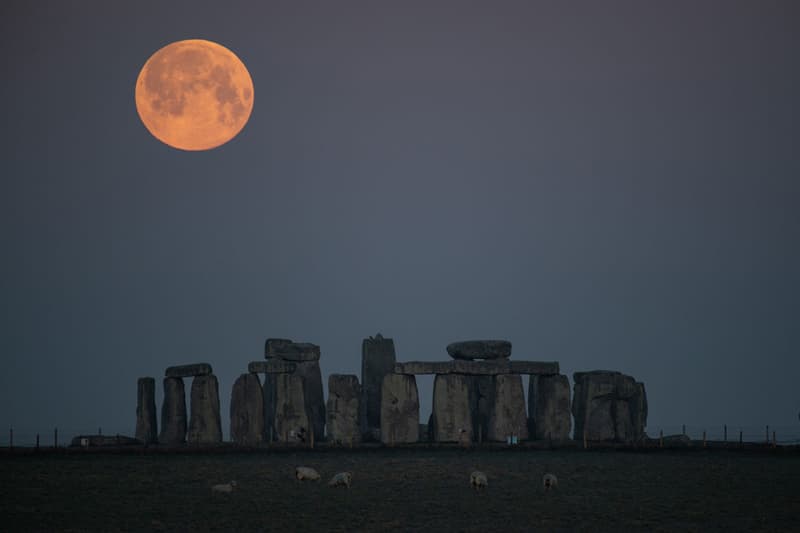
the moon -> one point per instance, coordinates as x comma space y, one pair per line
194, 95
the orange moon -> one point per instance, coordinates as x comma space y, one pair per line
194, 95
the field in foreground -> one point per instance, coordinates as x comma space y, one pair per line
408, 490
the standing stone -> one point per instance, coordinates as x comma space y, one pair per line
146, 428
173, 413
205, 426
290, 422
247, 411
507, 417
452, 416
609, 406
399, 409
549, 407
377, 360
482, 403
343, 409
313, 396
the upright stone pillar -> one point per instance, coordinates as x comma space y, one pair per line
291, 421
399, 409
146, 428
452, 416
205, 426
609, 406
173, 413
247, 411
313, 396
343, 409
508, 417
549, 407
377, 360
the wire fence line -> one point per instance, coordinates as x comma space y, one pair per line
781, 435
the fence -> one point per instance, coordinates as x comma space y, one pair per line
53, 437
781, 435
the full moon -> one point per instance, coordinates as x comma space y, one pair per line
194, 95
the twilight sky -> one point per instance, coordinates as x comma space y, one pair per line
609, 185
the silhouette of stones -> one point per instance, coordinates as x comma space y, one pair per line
204, 422
146, 428
452, 416
609, 406
247, 411
290, 418
399, 409
291, 351
271, 366
173, 413
343, 409
476, 368
305, 356
507, 416
188, 371
377, 361
549, 407
469, 350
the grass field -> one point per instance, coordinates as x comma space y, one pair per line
401, 489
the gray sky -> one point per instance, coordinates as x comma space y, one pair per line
606, 184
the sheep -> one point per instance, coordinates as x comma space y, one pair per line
549, 481
478, 480
341, 479
224, 488
303, 473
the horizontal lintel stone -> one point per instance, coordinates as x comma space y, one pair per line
186, 371
479, 368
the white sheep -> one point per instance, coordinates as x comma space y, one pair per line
478, 480
549, 481
303, 473
224, 488
341, 479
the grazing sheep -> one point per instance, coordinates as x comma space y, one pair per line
224, 488
303, 473
478, 480
341, 479
549, 481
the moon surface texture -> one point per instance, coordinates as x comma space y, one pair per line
194, 95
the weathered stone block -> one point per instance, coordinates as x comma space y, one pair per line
188, 371
482, 402
247, 411
608, 406
549, 407
291, 351
146, 428
291, 421
314, 397
205, 426
173, 413
452, 416
271, 366
343, 411
489, 349
399, 409
377, 360
507, 417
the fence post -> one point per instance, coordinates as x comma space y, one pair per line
767, 434
11, 438
37, 441
99, 431
684, 430
661, 438
55, 438
726, 432
704, 438
740, 438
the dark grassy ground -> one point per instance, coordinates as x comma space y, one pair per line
409, 490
